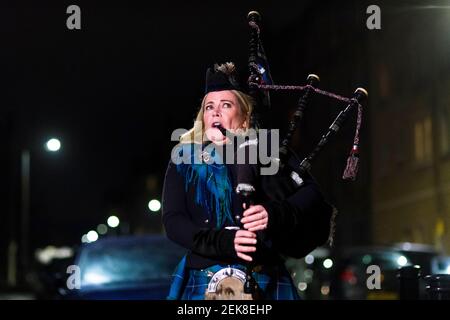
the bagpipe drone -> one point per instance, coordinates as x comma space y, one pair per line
291, 174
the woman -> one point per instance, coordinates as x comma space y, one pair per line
199, 206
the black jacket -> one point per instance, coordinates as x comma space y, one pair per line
297, 223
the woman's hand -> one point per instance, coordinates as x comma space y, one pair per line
255, 218
245, 242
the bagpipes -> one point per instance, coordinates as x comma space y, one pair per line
290, 177
260, 83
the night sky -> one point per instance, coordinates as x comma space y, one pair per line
114, 91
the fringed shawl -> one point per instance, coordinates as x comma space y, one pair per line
203, 169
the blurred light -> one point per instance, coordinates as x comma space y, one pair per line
49, 253
302, 286
154, 205
92, 236
44, 255
113, 221
349, 276
367, 259
64, 252
84, 239
53, 145
406, 246
94, 278
328, 263
308, 274
309, 259
325, 290
102, 229
448, 270
402, 261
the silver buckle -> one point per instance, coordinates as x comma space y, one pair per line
222, 274
227, 284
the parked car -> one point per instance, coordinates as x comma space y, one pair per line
50, 279
312, 274
419, 254
125, 268
440, 265
351, 273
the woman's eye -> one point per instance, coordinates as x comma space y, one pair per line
226, 105
208, 107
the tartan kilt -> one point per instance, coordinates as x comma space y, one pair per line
275, 283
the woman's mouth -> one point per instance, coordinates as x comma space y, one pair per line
218, 125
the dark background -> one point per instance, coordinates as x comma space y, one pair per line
114, 91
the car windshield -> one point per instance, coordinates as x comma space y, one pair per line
125, 262
441, 265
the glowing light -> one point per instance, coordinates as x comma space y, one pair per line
402, 261
94, 278
367, 259
406, 246
448, 270
308, 274
53, 145
302, 286
325, 290
49, 253
309, 259
113, 221
92, 236
102, 229
84, 239
154, 205
328, 263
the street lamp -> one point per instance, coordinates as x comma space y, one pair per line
113, 221
92, 236
154, 205
102, 229
52, 145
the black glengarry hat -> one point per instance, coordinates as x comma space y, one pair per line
222, 77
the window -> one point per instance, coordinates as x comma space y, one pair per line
444, 120
400, 148
384, 83
423, 142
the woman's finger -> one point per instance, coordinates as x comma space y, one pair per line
251, 225
239, 240
258, 228
244, 257
239, 248
254, 217
253, 209
245, 234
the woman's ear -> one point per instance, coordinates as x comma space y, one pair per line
245, 124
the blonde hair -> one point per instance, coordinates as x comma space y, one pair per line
196, 133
